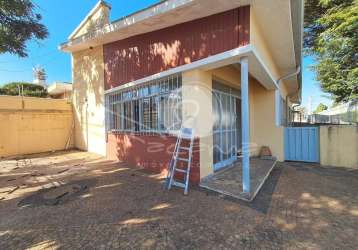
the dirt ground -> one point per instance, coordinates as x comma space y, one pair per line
109, 206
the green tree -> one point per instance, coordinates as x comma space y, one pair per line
23, 88
331, 36
18, 24
321, 107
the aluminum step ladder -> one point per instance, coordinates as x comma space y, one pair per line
185, 134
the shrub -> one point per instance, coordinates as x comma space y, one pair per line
26, 89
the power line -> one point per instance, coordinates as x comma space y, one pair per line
32, 58
6, 70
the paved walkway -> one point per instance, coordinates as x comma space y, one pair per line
301, 206
228, 181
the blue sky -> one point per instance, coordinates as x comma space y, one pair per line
61, 17
310, 87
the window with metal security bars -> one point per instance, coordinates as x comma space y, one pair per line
227, 127
152, 107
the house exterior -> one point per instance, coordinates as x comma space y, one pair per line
344, 113
227, 68
60, 90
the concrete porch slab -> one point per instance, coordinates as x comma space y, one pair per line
228, 181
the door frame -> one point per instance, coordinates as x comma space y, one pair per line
233, 141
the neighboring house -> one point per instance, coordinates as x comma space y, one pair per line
60, 90
211, 64
341, 108
344, 113
298, 115
341, 114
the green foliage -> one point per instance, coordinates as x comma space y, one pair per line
314, 10
26, 89
321, 107
18, 24
331, 36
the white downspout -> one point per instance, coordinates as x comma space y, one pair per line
278, 95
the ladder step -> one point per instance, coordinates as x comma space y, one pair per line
182, 159
180, 146
178, 184
181, 170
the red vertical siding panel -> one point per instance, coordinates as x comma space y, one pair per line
146, 54
244, 25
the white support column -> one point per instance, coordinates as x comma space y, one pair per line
245, 124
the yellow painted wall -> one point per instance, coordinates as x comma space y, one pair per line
263, 130
88, 100
228, 75
257, 40
197, 113
33, 125
339, 146
262, 109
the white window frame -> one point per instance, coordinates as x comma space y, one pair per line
154, 91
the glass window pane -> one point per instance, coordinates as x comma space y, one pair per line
154, 114
178, 113
216, 147
216, 111
119, 116
146, 114
225, 124
162, 86
155, 106
162, 108
136, 115
154, 89
127, 115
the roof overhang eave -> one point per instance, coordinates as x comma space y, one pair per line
161, 15
257, 68
297, 14
114, 31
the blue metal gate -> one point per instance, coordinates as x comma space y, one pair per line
302, 144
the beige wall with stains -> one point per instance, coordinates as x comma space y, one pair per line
33, 125
339, 146
88, 100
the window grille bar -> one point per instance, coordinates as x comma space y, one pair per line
155, 107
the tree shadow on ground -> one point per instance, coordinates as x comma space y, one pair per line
128, 208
